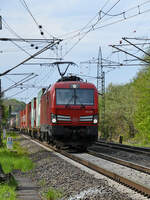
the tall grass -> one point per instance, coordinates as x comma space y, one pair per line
7, 190
10, 160
14, 159
53, 194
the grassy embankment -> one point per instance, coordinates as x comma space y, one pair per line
18, 159
15, 159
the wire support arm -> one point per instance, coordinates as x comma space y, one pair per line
32, 56
27, 40
130, 54
135, 46
20, 83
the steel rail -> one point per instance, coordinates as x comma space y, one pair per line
143, 189
120, 179
120, 161
124, 147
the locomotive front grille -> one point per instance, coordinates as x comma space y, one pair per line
63, 118
86, 118
68, 118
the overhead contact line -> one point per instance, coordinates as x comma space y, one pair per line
32, 56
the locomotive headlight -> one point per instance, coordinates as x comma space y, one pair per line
95, 119
53, 118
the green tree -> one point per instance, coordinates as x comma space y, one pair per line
119, 111
15, 104
142, 115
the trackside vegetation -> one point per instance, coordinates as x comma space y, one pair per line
14, 159
127, 110
7, 190
52, 194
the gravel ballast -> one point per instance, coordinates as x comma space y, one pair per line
54, 171
132, 174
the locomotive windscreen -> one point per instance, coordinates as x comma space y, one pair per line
77, 96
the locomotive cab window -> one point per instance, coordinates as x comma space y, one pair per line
84, 96
78, 96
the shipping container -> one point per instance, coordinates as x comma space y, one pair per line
21, 119
28, 116
45, 110
38, 107
13, 122
18, 120
24, 118
33, 113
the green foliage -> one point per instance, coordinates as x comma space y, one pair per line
42, 182
4, 115
127, 109
4, 112
53, 194
10, 160
119, 110
12, 134
142, 115
16, 105
16, 159
7, 191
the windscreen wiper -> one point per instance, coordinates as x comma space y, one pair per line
82, 105
69, 101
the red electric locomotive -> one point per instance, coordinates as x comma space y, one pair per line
69, 113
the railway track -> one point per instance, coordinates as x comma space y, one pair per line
131, 178
124, 147
121, 162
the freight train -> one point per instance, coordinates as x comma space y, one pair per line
66, 113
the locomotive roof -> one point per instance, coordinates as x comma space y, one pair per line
70, 78
65, 82
68, 83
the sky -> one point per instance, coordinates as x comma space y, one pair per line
84, 27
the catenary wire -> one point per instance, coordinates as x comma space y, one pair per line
90, 28
95, 28
23, 2
133, 8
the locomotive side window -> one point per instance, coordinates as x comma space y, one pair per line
76, 96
